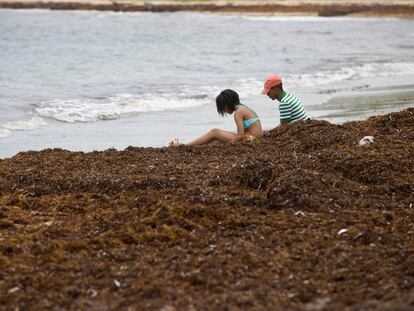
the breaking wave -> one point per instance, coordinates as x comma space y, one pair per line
127, 105
115, 107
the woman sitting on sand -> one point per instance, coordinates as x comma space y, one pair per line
247, 122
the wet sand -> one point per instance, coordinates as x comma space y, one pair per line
302, 219
404, 8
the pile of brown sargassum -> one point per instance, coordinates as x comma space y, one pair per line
302, 219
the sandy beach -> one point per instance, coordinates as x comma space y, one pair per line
401, 8
302, 219
97, 214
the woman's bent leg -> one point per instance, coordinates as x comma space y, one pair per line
215, 135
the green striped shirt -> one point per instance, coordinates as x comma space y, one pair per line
291, 109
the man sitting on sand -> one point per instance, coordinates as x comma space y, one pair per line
290, 107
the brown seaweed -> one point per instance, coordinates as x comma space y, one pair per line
301, 219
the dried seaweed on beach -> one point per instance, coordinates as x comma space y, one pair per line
301, 219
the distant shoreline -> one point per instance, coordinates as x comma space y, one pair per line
319, 8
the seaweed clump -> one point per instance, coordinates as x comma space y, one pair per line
301, 219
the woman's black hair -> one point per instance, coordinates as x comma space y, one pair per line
227, 99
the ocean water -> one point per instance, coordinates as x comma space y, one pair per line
96, 80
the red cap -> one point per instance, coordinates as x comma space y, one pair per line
270, 82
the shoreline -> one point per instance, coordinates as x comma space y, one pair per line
345, 106
330, 104
319, 8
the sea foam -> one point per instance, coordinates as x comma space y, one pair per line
249, 87
363, 71
28, 123
114, 107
